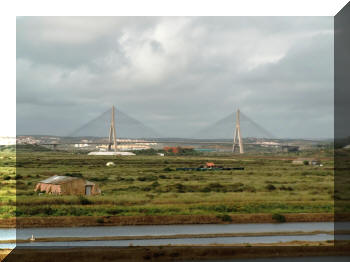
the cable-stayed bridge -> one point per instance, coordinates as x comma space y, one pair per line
220, 132
129, 127
223, 128
126, 127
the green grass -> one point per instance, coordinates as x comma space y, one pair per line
7, 183
149, 185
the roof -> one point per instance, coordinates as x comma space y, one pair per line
56, 180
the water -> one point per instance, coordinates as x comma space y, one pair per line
7, 233
152, 230
185, 241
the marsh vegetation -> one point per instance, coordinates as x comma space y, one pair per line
151, 185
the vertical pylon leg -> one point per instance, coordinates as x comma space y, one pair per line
234, 140
112, 133
110, 139
237, 135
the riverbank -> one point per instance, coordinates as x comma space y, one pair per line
173, 253
24, 222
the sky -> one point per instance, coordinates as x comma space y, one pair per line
177, 75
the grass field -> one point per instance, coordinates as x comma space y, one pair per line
150, 185
7, 183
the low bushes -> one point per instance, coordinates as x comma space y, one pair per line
225, 218
147, 178
279, 218
270, 187
84, 200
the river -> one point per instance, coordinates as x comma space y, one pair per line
161, 230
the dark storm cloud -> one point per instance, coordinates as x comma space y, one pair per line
177, 74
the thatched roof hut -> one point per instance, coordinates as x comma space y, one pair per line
66, 185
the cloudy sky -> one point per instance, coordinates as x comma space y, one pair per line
176, 74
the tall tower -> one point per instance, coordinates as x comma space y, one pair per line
112, 133
237, 137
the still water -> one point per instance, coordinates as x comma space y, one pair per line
102, 231
7, 234
188, 241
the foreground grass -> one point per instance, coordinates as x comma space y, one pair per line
7, 184
150, 185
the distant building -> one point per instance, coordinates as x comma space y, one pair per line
290, 149
173, 149
81, 145
210, 165
66, 185
269, 144
6, 140
308, 161
106, 153
177, 149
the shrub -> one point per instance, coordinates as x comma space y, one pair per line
270, 187
7, 177
305, 162
155, 184
115, 211
168, 169
147, 188
180, 188
279, 218
99, 179
286, 188
74, 174
48, 211
147, 178
100, 220
225, 218
249, 189
84, 201
205, 189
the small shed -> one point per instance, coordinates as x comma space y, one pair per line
210, 164
66, 185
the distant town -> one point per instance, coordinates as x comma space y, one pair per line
125, 144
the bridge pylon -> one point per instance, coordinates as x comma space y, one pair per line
112, 133
237, 137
